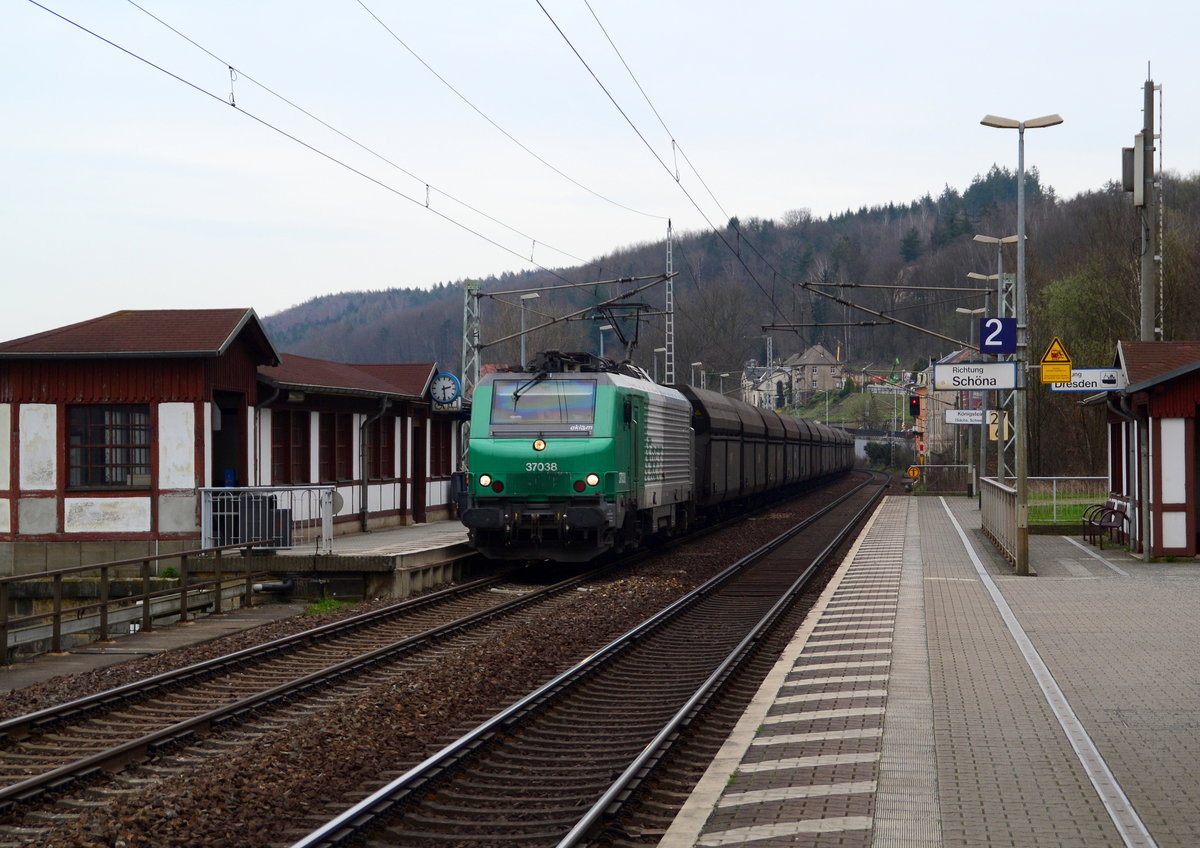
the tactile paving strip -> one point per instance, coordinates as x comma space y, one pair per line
810, 774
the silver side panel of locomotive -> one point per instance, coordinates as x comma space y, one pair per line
667, 437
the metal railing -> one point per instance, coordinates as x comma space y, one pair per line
141, 608
998, 505
1048, 501
1061, 500
286, 516
943, 479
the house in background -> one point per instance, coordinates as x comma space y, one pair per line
815, 370
766, 387
112, 430
947, 443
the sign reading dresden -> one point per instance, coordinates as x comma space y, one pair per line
1092, 380
975, 376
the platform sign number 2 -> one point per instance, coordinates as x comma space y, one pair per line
997, 335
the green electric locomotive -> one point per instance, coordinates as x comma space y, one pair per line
574, 457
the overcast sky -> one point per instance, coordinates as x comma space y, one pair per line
127, 188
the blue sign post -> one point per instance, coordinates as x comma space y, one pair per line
997, 335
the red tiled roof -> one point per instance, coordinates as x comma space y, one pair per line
302, 372
1152, 362
146, 333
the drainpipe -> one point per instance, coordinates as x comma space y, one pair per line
1143, 479
384, 403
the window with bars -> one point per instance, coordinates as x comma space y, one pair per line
381, 451
441, 445
109, 446
289, 446
335, 452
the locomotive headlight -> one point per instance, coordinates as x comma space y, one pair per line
592, 479
485, 480
539, 444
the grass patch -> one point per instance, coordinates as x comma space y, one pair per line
1065, 513
1069, 510
325, 605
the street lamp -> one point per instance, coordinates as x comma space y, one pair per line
695, 365
657, 351
602, 331
525, 297
1021, 454
999, 275
723, 376
963, 310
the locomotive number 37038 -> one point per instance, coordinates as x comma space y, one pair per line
541, 466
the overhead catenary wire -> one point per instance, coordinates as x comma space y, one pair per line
675, 147
237, 73
330, 157
737, 229
499, 128
666, 167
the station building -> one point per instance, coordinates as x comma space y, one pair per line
1154, 465
113, 431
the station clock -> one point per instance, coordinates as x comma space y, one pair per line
445, 388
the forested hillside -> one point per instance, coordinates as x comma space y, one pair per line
1082, 272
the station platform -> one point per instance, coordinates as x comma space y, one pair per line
405, 540
394, 562
935, 699
414, 557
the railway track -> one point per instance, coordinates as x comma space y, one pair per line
560, 765
167, 733
44, 753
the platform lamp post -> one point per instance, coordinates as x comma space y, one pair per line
657, 351
974, 470
1020, 405
696, 365
525, 297
603, 330
987, 277
999, 242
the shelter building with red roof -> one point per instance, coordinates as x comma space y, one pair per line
112, 429
1154, 464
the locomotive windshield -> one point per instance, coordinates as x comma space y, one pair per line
569, 403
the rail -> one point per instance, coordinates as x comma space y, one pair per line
107, 608
610, 802
350, 824
286, 516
